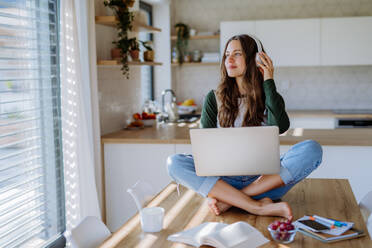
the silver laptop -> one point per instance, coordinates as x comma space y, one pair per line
236, 151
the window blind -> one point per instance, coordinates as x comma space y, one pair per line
31, 169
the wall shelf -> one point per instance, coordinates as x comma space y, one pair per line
199, 37
111, 21
115, 62
196, 63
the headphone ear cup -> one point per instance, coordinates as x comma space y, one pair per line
258, 59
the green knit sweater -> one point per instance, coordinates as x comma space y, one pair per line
276, 114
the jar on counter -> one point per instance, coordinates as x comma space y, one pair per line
175, 56
187, 58
197, 56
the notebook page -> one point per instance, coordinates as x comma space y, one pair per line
339, 230
237, 235
194, 235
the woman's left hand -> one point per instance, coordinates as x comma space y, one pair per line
266, 67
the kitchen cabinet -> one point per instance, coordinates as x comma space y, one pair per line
291, 42
346, 41
313, 122
309, 42
183, 148
125, 164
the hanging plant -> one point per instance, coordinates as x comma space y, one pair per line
183, 35
124, 25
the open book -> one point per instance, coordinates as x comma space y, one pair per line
220, 235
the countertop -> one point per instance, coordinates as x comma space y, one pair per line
328, 113
179, 134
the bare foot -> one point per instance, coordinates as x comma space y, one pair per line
219, 207
277, 209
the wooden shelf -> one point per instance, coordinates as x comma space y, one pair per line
111, 21
199, 37
196, 63
115, 62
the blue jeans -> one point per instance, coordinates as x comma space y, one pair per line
295, 165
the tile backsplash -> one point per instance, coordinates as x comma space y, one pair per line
342, 87
336, 87
118, 97
348, 87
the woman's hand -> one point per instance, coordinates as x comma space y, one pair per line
266, 67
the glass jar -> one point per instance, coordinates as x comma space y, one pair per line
175, 55
197, 56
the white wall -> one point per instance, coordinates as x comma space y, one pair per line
162, 74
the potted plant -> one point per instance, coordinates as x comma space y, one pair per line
183, 34
124, 25
148, 55
134, 49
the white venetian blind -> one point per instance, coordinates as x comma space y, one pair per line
31, 170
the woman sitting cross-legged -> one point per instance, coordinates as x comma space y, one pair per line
247, 96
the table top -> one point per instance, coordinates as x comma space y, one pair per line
331, 198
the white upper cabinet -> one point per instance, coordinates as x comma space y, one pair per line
346, 41
229, 29
309, 42
291, 42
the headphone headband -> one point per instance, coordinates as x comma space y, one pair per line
258, 42
259, 47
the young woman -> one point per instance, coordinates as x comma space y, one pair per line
247, 96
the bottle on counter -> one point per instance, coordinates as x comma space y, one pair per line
175, 55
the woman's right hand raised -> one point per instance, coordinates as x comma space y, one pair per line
266, 67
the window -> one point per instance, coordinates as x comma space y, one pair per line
31, 169
147, 72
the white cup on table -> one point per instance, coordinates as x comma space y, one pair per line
152, 219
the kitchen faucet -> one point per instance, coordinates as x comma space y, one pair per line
172, 111
163, 98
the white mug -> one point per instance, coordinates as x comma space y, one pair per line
152, 219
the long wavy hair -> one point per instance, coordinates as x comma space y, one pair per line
228, 91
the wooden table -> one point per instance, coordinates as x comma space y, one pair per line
332, 198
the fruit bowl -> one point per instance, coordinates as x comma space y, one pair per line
148, 122
282, 231
147, 119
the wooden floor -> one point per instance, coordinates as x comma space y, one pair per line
332, 198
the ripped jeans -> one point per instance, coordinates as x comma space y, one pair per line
295, 165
